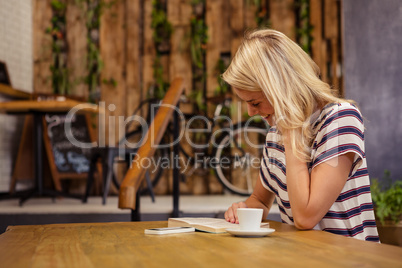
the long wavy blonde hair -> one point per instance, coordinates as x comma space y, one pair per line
269, 61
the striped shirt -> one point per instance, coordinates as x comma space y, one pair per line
338, 129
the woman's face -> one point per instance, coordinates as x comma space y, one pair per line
257, 103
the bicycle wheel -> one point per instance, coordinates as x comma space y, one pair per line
238, 157
153, 165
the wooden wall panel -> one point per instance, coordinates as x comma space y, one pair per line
149, 49
318, 43
179, 15
42, 47
180, 64
326, 46
340, 50
225, 30
283, 18
226, 20
238, 27
214, 23
236, 24
250, 9
77, 48
112, 50
133, 63
331, 33
128, 53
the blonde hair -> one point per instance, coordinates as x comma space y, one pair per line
269, 61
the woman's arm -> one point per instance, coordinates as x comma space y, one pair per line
312, 195
260, 198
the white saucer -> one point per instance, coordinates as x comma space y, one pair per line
252, 233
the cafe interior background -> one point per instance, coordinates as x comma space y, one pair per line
121, 52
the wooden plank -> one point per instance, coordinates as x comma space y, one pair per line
214, 23
180, 64
317, 44
179, 15
219, 19
324, 60
52, 106
149, 49
24, 164
225, 29
334, 65
330, 19
76, 38
341, 31
249, 15
42, 46
14, 93
283, 17
112, 52
135, 175
165, 61
236, 24
331, 32
133, 23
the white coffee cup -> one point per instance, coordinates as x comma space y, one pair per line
250, 218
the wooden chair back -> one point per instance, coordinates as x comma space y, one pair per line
135, 174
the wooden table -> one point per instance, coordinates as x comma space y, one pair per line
125, 245
38, 108
61, 105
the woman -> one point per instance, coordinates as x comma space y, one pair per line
314, 161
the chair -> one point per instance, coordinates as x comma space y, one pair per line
128, 194
107, 155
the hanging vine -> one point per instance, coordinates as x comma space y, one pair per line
223, 87
262, 13
304, 29
58, 67
93, 10
161, 37
198, 45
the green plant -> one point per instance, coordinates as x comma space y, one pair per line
58, 68
199, 38
198, 45
387, 198
162, 27
304, 29
92, 11
161, 37
160, 86
222, 87
261, 13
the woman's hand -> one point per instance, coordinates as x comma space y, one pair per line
231, 213
260, 198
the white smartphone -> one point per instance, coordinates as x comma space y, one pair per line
170, 230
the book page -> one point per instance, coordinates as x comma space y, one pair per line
205, 221
216, 224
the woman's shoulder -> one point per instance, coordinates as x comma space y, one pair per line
342, 111
339, 106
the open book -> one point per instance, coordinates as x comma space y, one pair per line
212, 225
